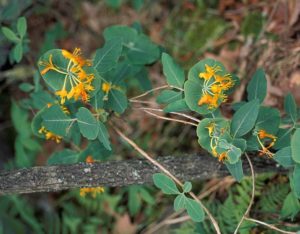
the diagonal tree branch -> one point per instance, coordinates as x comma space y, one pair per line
117, 173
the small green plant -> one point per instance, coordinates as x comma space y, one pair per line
18, 38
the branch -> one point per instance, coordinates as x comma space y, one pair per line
117, 173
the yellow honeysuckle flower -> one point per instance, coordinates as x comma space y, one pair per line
214, 86
77, 83
93, 191
49, 135
262, 134
48, 65
210, 72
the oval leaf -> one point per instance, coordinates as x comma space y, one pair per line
88, 125
257, 87
194, 210
244, 119
172, 71
165, 183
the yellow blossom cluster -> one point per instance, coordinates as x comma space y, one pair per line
50, 135
214, 86
262, 134
214, 141
77, 83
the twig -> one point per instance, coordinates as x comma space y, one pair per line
149, 91
155, 89
269, 226
174, 113
143, 102
170, 119
167, 172
252, 195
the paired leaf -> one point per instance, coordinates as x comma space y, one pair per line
172, 71
244, 119
257, 87
177, 106
165, 183
88, 125
295, 180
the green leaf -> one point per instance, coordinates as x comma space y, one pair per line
268, 119
296, 146
187, 187
290, 107
284, 157
234, 154
22, 26
18, 52
203, 134
295, 180
179, 202
177, 106
193, 87
291, 206
252, 24
103, 136
26, 87
107, 57
88, 125
20, 120
244, 119
117, 101
63, 157
142, 51
134, 200
236, 170
165, 183
127, 34
10, 35
168, 96
194, 210
257, 87
172, 71
56, 121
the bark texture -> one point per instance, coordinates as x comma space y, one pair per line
118, 173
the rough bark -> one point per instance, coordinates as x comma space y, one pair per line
117, 173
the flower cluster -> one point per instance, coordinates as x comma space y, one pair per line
214, 134
214, 86
50, 135
77, 83
261, 135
